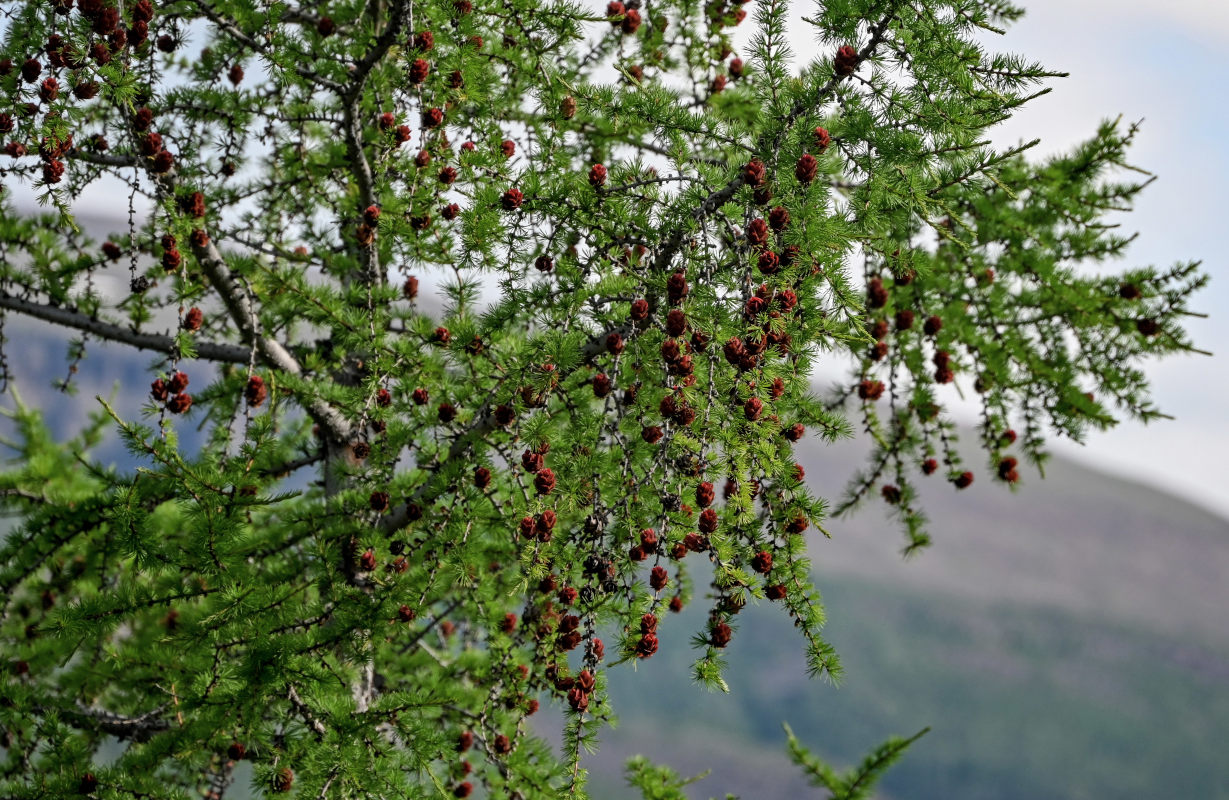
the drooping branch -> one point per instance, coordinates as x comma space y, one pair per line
236, 300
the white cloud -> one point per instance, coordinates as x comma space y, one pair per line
1207, 20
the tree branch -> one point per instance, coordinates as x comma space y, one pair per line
240, 307
383, 43
303, 711
138, 729
207, 351
483, 424
103, 159
718, 198
232, 29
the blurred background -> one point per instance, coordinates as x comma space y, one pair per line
1070, 640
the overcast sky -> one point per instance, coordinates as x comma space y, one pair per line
1168, 64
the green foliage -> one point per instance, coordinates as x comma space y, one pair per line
656, 782
363, 488
860, 780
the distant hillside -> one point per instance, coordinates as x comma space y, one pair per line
1079, 540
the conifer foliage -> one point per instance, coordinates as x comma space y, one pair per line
415, 511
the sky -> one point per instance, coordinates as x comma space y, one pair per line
1166, 64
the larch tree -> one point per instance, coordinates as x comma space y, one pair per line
483, 334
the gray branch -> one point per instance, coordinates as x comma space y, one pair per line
237, 302
139, 728
208, 351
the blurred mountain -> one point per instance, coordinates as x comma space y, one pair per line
1069, 640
